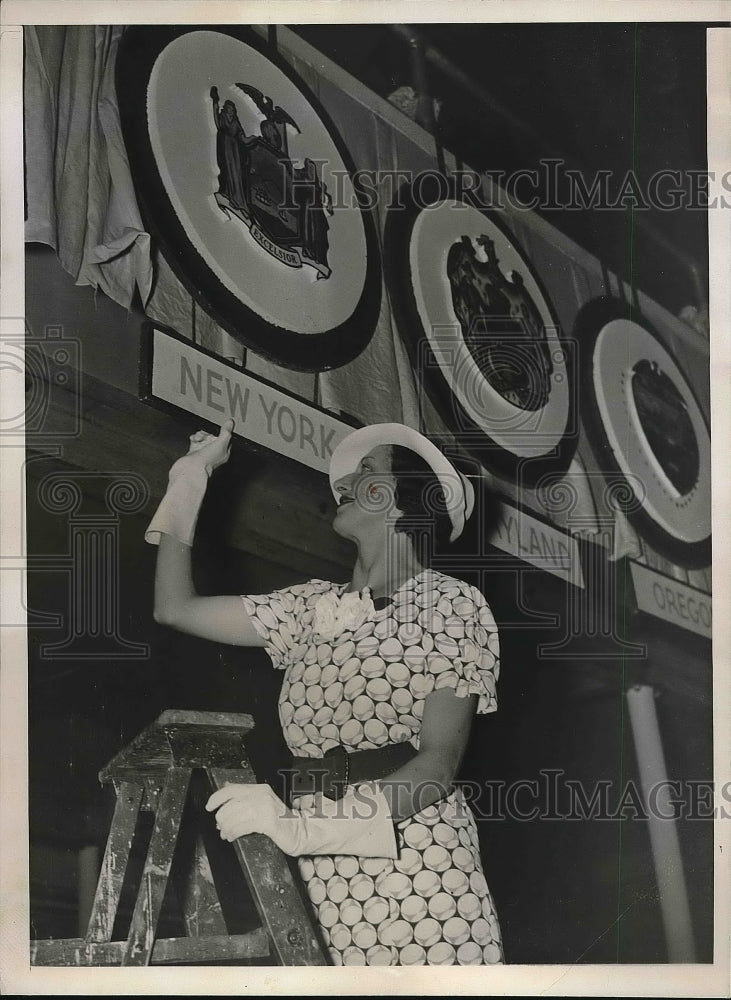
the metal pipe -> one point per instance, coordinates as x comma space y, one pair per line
425, 104
425, 100
664, 840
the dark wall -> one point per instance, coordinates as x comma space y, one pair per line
566, 890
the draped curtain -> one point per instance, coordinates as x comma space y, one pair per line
79, 191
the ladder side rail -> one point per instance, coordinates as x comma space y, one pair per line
114, 864
282, 909
156, 873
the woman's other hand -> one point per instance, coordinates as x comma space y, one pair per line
359, 824
244, 809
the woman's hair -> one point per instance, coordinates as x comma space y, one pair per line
420, 497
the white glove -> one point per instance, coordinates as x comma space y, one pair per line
178, 512
359, 823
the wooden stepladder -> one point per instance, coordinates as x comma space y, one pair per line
169, 770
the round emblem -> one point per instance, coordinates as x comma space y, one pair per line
248, 187
481, 332
646, 426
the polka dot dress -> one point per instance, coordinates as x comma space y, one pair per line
366, 688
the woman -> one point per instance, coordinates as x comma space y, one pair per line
399, 653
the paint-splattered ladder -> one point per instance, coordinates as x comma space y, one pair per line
169, 770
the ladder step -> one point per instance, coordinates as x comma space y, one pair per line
215, 948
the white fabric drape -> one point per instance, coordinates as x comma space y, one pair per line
80, 195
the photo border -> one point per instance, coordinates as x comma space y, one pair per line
561, 980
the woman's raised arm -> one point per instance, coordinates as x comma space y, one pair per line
222, 619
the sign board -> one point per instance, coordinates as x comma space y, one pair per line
179, 373
522, 535
672, 601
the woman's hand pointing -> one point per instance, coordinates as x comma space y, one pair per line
206, 451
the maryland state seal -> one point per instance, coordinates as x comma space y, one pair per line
481, 331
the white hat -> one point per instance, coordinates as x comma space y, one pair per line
458, 491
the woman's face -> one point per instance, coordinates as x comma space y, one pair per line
367, 496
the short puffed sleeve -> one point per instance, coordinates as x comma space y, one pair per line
460, 628
279, 617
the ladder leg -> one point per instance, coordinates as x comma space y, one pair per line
197, 891
156, 872
284, 914
114, 865
195, 884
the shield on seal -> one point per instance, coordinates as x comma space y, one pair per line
500, 323
283, 204
270, 195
